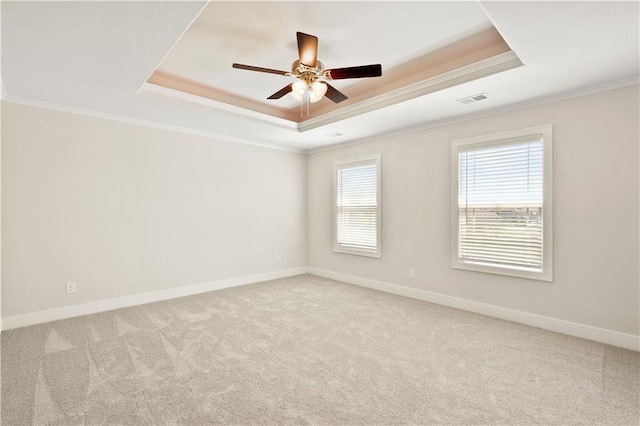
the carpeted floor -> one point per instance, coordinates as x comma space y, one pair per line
309, 350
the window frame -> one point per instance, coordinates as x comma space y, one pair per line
340, 164
546, 132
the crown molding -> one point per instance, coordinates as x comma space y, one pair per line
489, 66
585, 91
474, 71
152, 88
570, 94
141, 122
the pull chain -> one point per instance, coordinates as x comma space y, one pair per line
305, 100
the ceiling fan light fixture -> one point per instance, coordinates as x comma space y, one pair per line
317, 91
308, 70
297, 90
313, 98
318, 88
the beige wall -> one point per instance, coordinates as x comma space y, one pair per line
596, 181
1, 208
123, 209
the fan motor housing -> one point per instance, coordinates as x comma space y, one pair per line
305, 72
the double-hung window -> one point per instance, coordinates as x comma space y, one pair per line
502, 217
357, 206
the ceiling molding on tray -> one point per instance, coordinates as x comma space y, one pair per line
472, 57
493, 65
219, 98
151, 88
468, 68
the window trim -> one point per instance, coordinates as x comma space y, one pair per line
336, 165
546, 132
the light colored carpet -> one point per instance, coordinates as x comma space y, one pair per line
309, 350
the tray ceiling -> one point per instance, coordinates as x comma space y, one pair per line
96, 57
425, 44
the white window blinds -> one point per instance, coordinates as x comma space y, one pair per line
357, 206
500, 204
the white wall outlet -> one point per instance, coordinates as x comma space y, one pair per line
412, 273
278, 259
71, 287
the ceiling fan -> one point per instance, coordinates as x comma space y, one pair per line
311, 74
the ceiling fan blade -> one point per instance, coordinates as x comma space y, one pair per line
334, 94
354, 72
307, 49
259, 69
280, 93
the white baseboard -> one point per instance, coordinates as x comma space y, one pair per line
39, 317
609, 337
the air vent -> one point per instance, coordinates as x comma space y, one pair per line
472, 99
334, 135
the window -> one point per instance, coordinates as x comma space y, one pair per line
357, 206
502, 204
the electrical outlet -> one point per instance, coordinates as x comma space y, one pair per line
412, 273
71, 287
278, 259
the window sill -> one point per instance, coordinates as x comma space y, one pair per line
497, 270
366, 253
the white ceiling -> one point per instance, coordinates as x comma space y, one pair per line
96, 56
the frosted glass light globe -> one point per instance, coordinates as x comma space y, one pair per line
319, 89
314, 98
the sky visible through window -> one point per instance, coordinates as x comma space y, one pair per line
357, 186
501, 175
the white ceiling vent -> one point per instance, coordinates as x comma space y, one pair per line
472, 99
334, 135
